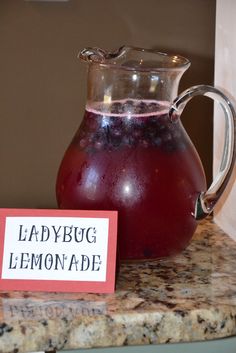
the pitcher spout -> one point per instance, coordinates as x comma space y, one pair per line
99, 55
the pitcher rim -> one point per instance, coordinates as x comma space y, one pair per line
95, 55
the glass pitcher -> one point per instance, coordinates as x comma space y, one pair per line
132, 154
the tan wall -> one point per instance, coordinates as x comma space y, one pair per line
225, 73
42, 84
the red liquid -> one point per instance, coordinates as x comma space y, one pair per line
145, 167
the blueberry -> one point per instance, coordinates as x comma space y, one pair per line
153, 121
115, 122
162, 121
116, 137
181, 146
92, 124
125, 140
117, 108
176, 134
132, 141
116, 141
116, 132
167, 137
157, 141
83, 143
129, 141
90, 137
152, 107
141, 108
98, 145
137, 133
150, 133
169, 147
129, 106
144, 143
99, 137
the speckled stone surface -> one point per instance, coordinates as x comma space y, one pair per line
187, 298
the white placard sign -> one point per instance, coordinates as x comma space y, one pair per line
58, 250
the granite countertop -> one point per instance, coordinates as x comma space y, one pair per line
190, 297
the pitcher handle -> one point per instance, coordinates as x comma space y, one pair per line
207, 200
